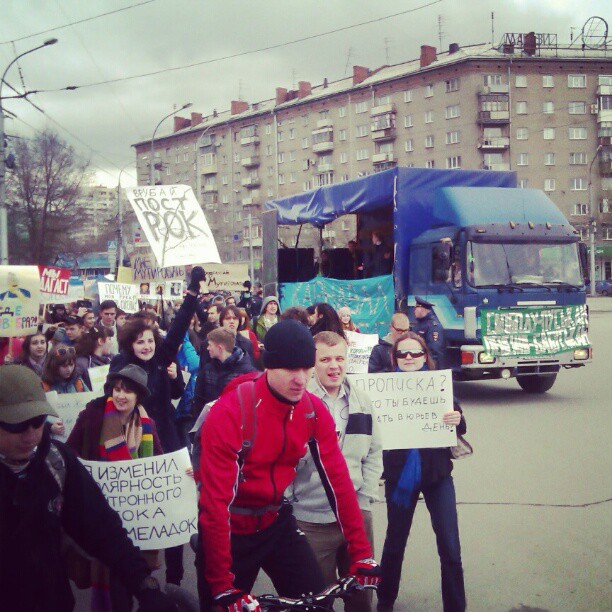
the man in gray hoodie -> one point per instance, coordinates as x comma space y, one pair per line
360, 440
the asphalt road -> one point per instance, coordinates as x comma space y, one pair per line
534, 502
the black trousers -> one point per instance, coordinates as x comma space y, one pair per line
283, 553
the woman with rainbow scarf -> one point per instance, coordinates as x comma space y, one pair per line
116, 427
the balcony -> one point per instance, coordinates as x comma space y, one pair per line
324, 123
254, 199
605, 167
380, 135
251, 181
499, 117
209, 188
210, 169
249, 140
499, 167
323, 137
250, 162
257, 242
323, 147
500, 88
383, 158
492, 144
322, 168
382, 109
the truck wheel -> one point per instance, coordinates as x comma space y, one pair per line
539, 383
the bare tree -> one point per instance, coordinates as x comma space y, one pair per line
44, 189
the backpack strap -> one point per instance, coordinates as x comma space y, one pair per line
248, 408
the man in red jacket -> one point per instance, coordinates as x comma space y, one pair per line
245, 522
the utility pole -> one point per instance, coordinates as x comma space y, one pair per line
592, 224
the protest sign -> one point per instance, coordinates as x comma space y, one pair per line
54, 280
173, 290
534, 331
359, 348
225, 277
174, 224
19, 300
124, 294
97, 377
409, 407
156, 500
68, 406
76, 291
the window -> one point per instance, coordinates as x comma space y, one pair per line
224, 180
548, 80
279, 137
408, 146
522, 133
361, 131
305, 164
521, 108
306, 185
268, 128
548, 133
522, 159
291, 155
292, 134
343, 158
520, 80
451, 85
578, 159
429, 116
342, 134
428, 90
363, 154
408, 95
268, 149
237, 158
580, 209
577, 133
408, 121
208, 159
454, 162
281, 157
549, 159
576, 108
361, 107
270, 170
523, 183
430, 163
576, 81
270, 192
548, 107
167, 170
605, 102
607, 233
225, 199
281, 179
453, 111
292, 178
605, 206
492, 79
305, 143
578, 184
342, 111
380, 100
429, 141
324, 114
453, 137
177, 159
549, 184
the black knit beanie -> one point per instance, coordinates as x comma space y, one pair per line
289, 344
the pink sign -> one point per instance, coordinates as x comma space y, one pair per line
54, 280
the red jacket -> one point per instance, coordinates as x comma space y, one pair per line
281, 440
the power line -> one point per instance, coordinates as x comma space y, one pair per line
67, 25
252, 51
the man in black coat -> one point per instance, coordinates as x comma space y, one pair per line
426, 324
380, 357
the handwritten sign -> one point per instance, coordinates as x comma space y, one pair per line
19, 300
154, 497
97, 377
54, 280
68, 406
359, 348
225, 277
174, 223
409, 407
76, 291
124, 294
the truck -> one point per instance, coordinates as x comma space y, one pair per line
502, 266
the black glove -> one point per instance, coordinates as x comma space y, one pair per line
154, 600
197, 275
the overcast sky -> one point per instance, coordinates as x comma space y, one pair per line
149, 36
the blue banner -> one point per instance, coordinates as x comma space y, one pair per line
371, 300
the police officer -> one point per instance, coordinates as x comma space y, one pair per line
428, 327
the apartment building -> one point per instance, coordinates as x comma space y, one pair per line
540, 110
98, 206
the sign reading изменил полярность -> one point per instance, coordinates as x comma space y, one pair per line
531, 332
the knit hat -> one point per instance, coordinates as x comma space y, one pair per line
289, 344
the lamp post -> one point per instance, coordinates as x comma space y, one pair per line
592, 224
120, 220
3, 212
151, 165
197, 164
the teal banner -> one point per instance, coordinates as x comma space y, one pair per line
371, 300
531, 332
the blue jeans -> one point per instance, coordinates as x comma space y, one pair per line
441, 503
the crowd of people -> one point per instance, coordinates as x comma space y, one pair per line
289, 456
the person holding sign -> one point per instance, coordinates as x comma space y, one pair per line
427, 471
94, 349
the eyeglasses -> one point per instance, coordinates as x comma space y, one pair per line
413, 354
18, 428
68, 350
400, 330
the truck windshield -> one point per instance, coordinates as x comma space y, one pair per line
523, 264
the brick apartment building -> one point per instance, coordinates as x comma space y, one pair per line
538, 109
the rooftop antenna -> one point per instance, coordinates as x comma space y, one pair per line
240, 94
387, 51
441, 33
348, 60
492, 29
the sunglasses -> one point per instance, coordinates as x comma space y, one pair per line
62, 352
413, 354
18, 428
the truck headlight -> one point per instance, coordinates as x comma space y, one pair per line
582, 354
485, 358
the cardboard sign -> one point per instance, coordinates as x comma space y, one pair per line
19, 300
54, 280
359, 348
409, 407
97, 377
76, 291
68, 407
156, 500
174, 223
124, 294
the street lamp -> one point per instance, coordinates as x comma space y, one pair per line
153, 138
592, 224
197, 164
120, 220
3, 212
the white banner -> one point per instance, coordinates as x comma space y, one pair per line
68, 406
156, 500
124, 295
174, 224
359, 348
97, 377
409, 407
